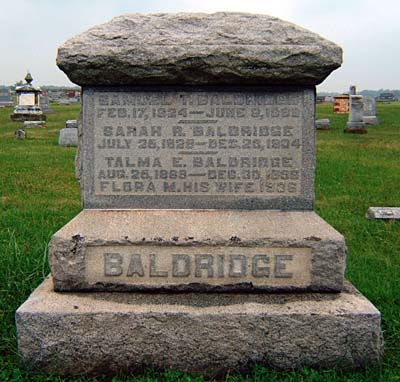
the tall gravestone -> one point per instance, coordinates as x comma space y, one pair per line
355, 124
197, 168
45, 104
370, 117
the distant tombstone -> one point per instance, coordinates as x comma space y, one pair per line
68, 137
44, 104
33, 124
386, 97
352, 90
19, 134
369, 106
6, 100
64, 101
355, 123
341, 104
74, 100
383, 213
323, 124
71, 124
370, 111
28, 108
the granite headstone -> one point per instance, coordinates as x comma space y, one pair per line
197, 174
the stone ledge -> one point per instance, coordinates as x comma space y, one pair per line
207, 334
198, 49
79, 248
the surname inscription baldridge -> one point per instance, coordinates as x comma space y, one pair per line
199, 148
150, 266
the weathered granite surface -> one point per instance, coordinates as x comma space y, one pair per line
208, 334
198, 49
190, 147
97, 240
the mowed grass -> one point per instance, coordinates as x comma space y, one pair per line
39, 194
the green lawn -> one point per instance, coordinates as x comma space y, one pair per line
39, 194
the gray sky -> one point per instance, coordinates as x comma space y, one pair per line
367, 30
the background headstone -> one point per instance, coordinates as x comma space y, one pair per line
71, 124
34, 124
28, 108
68, 137
341, 104
386, 97
323, 124
383, 213
20, 134
6, 100
64, 101
355, 123
370, 117
45, 104
369, 106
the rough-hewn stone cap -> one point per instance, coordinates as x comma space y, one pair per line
198, 49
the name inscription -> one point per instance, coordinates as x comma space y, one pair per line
153, 266
198, 143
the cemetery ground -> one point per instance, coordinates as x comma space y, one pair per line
39, 194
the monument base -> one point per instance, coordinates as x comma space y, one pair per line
22, 117
208, 334
371, 120
161, 250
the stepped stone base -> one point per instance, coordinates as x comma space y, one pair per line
197, 250
20, 117
370, 120
207, 334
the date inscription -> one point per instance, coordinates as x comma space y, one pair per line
198, 143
